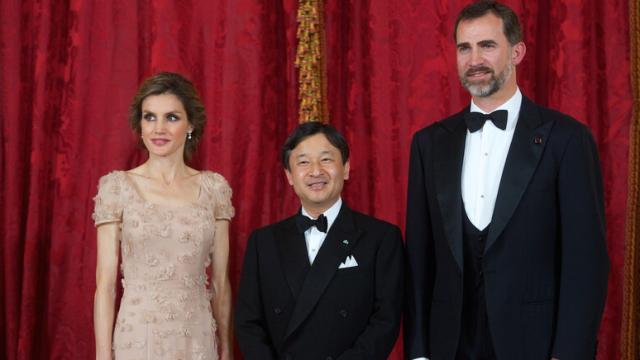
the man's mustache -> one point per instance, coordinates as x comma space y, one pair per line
478, 69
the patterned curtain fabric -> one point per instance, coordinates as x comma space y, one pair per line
68, 70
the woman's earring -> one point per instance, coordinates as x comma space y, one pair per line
189, 135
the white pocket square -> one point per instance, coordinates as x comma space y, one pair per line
349, 262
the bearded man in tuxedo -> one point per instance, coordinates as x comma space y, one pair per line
505, 219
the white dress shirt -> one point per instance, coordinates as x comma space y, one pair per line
314, 237
485, 153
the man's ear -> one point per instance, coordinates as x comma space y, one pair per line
517, 53
289, 177
347, 167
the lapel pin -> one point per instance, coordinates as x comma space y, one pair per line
345, 242
537, 140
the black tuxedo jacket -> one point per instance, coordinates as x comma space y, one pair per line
545, 263
288, 309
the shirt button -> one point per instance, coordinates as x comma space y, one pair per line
482, 196
486, 154
277, 311
344, 313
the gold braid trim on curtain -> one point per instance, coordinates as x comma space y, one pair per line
630, 347
310, 62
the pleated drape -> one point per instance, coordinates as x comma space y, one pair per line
630, 337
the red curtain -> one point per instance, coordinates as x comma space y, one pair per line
68, 70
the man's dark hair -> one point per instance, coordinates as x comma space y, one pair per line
510, 23
311, 128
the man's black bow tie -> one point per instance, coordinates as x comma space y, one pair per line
475, 120
305, 223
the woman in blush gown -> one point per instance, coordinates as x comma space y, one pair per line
168, 223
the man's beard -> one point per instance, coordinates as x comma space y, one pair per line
489, 87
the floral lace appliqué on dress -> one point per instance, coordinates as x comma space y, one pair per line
165, 311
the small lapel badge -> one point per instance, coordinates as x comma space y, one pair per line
345, 242
537, 140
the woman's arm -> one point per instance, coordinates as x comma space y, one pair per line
221, 302
106, 277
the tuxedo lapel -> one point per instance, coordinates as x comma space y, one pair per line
333, 251
293, 255
449, 150
529, 139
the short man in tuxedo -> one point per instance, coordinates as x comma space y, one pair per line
505, 217
326, 283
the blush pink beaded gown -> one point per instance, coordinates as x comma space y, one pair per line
165, 311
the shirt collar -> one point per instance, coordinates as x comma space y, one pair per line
512, 106
331, 213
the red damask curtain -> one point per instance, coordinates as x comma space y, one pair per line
69, 68
68, 71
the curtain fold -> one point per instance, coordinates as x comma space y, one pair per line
630, 337
69, 68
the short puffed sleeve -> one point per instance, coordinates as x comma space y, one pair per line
108, 204
220, 195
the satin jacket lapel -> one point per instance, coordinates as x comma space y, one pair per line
332, 252
449, 153
293, 255
522, 160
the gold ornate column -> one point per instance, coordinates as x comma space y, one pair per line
310, 62
630, 346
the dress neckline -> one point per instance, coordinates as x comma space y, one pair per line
138, 194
